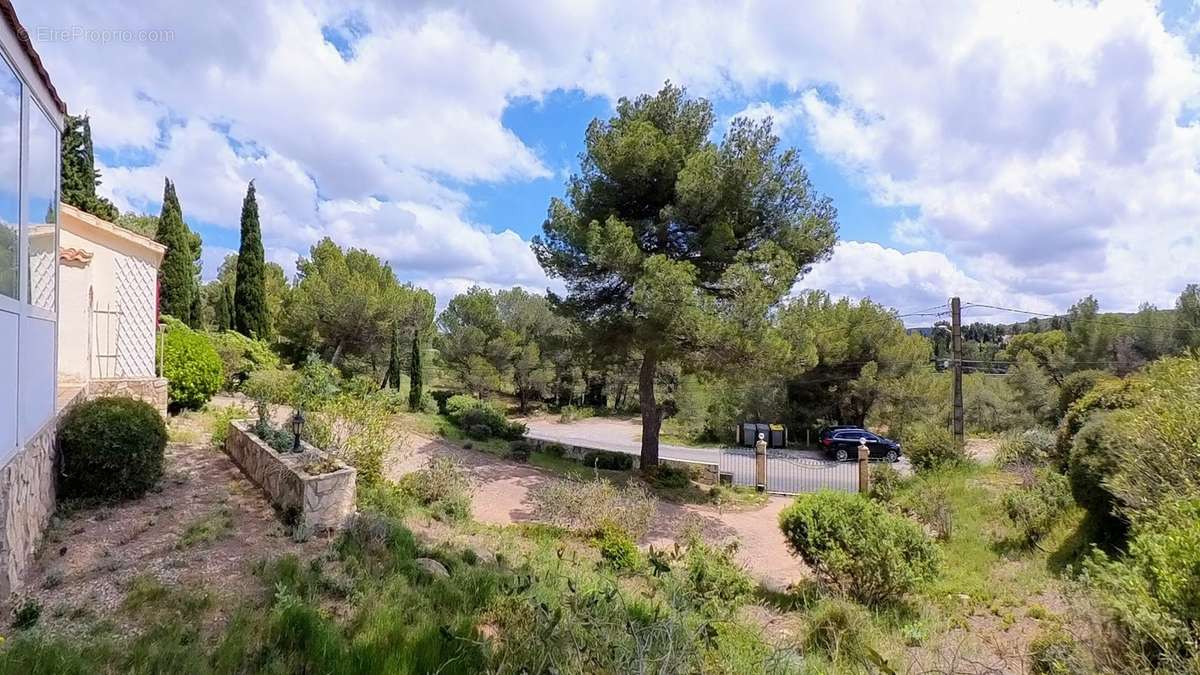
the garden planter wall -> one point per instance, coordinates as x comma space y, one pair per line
322, 502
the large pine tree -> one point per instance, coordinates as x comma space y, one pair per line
250, 315
176, 274
414, 375
79, 174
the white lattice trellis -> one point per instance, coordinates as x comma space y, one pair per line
41, 278
135, 285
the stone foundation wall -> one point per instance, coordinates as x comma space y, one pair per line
701, 472
152, 390
322, 502
27, 494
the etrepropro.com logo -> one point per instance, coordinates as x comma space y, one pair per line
103, 35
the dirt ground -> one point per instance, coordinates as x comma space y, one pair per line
204, 527
502, 497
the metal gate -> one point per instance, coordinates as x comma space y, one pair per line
788, 473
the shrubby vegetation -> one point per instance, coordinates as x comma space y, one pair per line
442, 487
241, 356
858, 547
930, 447
1152, 592
112, 448
481, 419
191, 365
588, 507
1035, 507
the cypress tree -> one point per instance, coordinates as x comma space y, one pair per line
227, 306
392, 377
250, 316
176, 274
219, 315
79, 174
414, 375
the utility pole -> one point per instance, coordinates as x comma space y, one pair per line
956, 347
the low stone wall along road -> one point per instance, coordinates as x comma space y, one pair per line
788, 472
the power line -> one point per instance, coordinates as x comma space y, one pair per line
1066, 317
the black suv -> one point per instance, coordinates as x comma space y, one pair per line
841, 443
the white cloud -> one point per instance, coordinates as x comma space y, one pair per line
1037, 145
912, 282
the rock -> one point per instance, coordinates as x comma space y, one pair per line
433, 567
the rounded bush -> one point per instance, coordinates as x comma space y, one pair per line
1075, 386
606, 459
1094, 459
858, 546
886, 481
191, 365
479, 432
1032, 447
555, 449
617, 547
932, 447
112, 448
518, 451
240, 356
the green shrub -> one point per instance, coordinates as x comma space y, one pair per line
587, 506
241, 355
606, 459
518, 451
1054, 652
555, 449
440, 398
271, 386
482, 420
859, 547
1093, 460
191, 366
356, 430
931, 447
617, 548
281, 440
1031, 447
1075, 386
840, 631
717, 585
221, 422
26, 613
1107, 394
886, 481
1035, 508
442, 486
1152, 593
112, 448
666, 477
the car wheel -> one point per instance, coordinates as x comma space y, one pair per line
841, 455
892, 456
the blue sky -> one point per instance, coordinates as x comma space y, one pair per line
1022, 154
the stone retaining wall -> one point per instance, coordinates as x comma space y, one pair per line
152, 390
702, 472
324, 502
27, 501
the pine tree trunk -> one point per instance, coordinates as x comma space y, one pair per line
651, 411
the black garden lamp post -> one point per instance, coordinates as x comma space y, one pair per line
297, 427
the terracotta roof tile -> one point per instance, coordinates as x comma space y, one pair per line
75, 255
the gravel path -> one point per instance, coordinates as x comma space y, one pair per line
502, 497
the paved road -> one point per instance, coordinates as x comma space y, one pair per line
788, 472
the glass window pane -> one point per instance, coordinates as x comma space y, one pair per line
10, 180
43, 208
